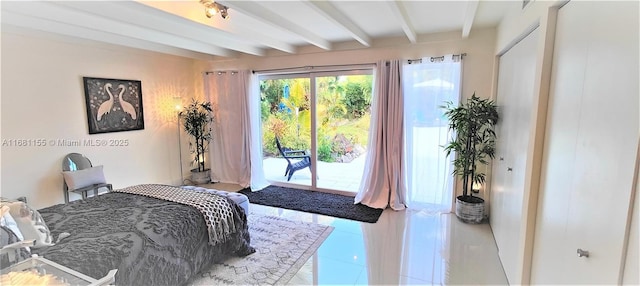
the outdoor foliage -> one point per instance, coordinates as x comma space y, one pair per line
325, 149
474, 140
357, 99
343, 108
272, 91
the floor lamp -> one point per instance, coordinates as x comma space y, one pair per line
178, 105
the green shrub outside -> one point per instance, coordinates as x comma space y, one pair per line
357, 99
325, 149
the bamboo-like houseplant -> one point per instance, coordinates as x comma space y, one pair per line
473, 144
197, 117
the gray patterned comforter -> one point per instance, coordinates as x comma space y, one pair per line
150, 241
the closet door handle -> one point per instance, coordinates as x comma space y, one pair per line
501, 158
509, 169
582, 253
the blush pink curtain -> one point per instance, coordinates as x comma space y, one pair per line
383, 184
229, 150
235, 152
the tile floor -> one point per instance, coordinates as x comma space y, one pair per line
403, 247
332, 176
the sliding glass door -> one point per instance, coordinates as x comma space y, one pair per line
320, 117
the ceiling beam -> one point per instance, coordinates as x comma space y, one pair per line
398, 10
470, 14
259, 12
21, 23
151, 18
334, 15
56, 13
183, 12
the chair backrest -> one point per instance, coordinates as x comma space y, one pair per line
75, 161
280, 149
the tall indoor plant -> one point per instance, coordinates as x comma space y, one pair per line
473, 143
196, 118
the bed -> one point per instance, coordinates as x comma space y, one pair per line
150, 241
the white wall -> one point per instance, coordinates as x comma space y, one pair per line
478, 64
43, 98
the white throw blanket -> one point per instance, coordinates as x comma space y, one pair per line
218, 213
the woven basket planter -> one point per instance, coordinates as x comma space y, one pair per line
203, 177
470, 209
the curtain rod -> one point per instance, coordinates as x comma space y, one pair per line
311, 68
433, 59
219, 72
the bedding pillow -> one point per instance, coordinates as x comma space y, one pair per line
7, 220
7, 236
30, 223
85, 177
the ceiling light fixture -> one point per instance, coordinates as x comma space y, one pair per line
211, 8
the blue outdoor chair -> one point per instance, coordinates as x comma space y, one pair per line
292, 167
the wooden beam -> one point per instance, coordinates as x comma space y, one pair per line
147, 17
183, 12
72, 17
27, 24
470, 14
259, 12
332, 14
398, 10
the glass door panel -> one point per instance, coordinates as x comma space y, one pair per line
286, 119
343, 113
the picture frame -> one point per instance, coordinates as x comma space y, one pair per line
113, 105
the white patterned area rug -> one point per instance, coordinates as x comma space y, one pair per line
282, 247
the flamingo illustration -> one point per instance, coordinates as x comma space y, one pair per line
106, 106
126, 107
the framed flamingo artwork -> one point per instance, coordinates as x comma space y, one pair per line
113, 104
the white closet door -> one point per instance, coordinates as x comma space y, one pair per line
590, 144
516, 78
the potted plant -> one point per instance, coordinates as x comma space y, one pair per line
473, 143
196, 119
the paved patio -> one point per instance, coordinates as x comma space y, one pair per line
333, 176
